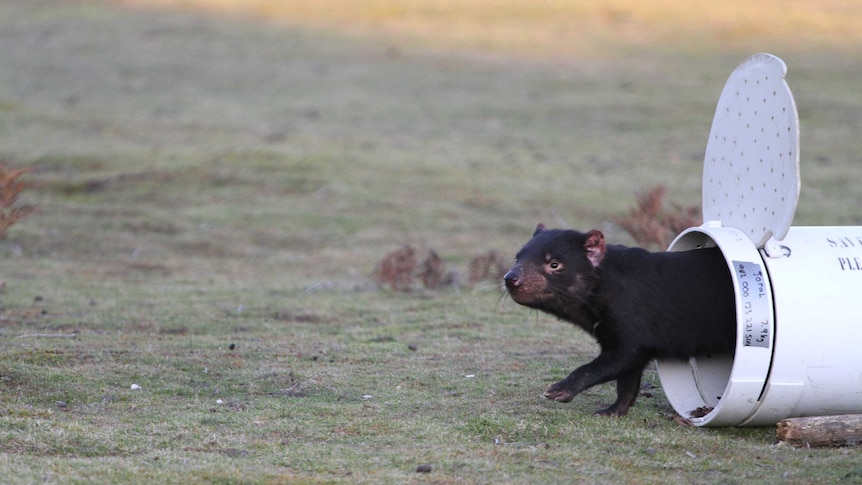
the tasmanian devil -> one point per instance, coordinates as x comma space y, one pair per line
639, 305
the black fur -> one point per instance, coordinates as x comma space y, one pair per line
639, 305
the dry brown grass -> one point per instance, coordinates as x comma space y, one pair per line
568, 27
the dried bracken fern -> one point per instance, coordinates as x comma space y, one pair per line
488, 266
432, 271
652, 226
399, 269
10, 188
396, 269
683, 218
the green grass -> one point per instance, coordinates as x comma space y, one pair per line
208, 180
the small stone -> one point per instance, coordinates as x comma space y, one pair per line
413, 347
231, 346
134, 387
424, 468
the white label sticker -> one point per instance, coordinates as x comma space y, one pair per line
755, 304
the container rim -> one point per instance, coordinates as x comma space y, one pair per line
724, 390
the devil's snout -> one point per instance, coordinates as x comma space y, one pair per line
512, 278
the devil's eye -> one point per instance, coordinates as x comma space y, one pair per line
555, 265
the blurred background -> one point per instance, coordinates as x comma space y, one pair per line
318, 136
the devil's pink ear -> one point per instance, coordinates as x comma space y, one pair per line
594, 247
539, 228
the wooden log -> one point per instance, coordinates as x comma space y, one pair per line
821, 431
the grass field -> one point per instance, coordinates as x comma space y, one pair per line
214, 189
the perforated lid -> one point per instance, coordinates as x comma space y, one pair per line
751, 168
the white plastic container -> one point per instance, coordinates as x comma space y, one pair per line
798, 290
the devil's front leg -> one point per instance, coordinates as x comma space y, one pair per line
603, 368
609, 365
